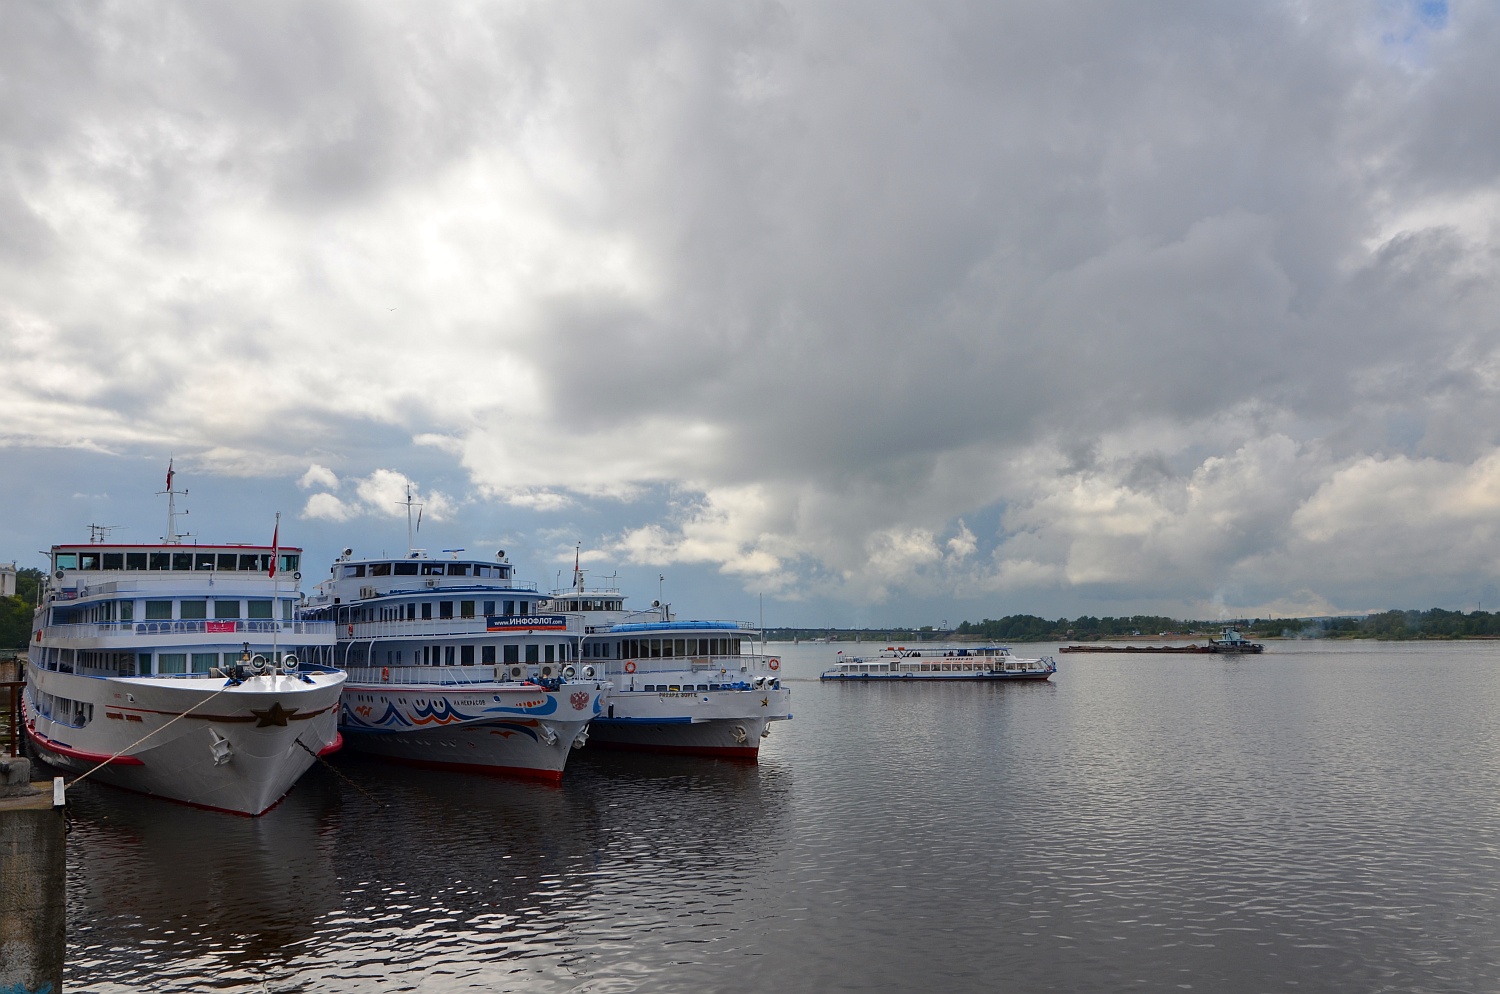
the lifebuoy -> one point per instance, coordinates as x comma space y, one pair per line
630, 666
385, 675
775, 663
351, 631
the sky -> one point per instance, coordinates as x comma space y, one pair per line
836, 313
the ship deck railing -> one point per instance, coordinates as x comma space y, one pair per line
207, 626
475, 625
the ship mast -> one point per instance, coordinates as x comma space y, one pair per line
172, 538
411, 531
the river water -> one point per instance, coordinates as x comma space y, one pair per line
1320, 818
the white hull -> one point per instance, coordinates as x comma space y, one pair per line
724, 723
505, 729
193, 740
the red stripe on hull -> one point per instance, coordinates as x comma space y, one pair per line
511, 772
86, 757
744, 753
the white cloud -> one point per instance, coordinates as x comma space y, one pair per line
319, 476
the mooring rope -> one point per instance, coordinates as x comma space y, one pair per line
151, 733
373, 799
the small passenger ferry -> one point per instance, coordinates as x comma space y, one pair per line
451, 664
689, 687
162, 669
975, 663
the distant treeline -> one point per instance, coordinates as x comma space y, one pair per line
15, 612
1394, 624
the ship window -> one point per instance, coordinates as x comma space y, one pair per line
533, 653
354, 570
427, 611
510, 608
259, 610
411, 612
204, 661
445, 609
226, 560
289, 563
487, 655
432, 569
193, 610
135, 560
226, 609
551, 653
160, 560
447, 655
466, 655
88, 560
114, 560
489, 608
67, 560
466, 609
458, 569
404, 569
249, 561
182, 560
158, 610
380, 569
127, 610
171, 662
512, 654
203, 560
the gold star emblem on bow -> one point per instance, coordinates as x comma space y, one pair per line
273, 715
765, 702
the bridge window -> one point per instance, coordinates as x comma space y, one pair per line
458, 569
404, 569
358, 570
432, 569
114, 560
380, 569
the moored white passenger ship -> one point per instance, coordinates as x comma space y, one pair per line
163, 669
691, 687
450, 665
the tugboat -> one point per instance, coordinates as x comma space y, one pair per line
1231, 641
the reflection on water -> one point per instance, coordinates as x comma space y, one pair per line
1322, 817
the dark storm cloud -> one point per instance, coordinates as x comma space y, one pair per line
1150, 287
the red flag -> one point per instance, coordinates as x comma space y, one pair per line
169, 474
275, 545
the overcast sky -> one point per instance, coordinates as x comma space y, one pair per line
888, 313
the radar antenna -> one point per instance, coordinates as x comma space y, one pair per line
99, 534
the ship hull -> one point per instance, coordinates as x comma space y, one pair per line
196, 741
724, 724
499, 729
